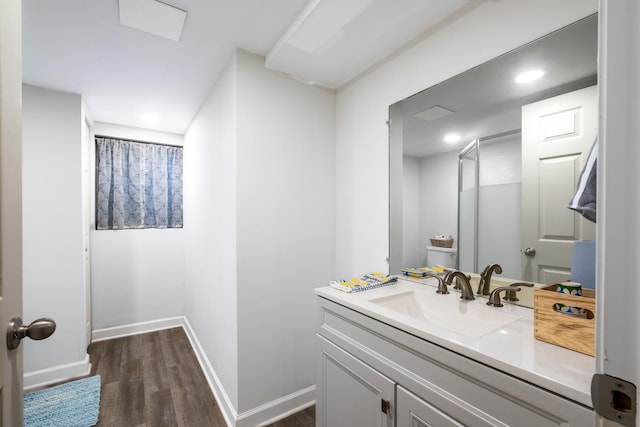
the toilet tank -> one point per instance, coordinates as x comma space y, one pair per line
445, 257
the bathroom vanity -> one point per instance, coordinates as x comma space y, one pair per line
403, 355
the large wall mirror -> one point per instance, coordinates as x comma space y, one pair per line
492, 157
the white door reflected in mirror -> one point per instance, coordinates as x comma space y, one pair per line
557, 134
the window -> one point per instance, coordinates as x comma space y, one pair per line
138, 185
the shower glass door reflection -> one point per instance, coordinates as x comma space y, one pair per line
489, 204
468, 188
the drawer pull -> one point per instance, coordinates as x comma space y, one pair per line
385, 406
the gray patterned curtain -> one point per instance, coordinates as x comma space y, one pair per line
139, 185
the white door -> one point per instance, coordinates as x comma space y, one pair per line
86, 221
10, 205
557, 134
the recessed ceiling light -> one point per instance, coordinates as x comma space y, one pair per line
452, 138
529, 76
433, 113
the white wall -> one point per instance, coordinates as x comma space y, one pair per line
259, 225
52, 229
439, 202
412, 255
286, 224
210, 231
362, 109
136, 275
617, 338
430, 203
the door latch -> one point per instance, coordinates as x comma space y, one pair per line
614, 399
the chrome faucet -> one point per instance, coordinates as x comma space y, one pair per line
465, 287
485, 278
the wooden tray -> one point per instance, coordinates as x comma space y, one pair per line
565, 330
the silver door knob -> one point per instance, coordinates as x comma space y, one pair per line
37, 330
530, 252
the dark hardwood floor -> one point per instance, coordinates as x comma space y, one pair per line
306, 418
154, 380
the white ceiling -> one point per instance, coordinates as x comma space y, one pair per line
79, 46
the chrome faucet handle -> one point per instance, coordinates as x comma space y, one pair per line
494, 296
466, 292
510, 295
442, 284
485, 278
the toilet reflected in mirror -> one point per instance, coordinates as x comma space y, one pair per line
444, 257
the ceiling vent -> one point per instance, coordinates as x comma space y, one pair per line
153, 17
433, 113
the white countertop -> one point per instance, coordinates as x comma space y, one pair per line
511, 349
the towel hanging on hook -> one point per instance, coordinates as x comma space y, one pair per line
585, 199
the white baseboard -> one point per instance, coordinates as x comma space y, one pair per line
262, 415
56, 374
136, 328
278, 409
226, 407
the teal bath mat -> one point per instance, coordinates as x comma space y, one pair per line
74, 404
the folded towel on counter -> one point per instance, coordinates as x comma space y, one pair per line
423, 271
363, 283
584, 200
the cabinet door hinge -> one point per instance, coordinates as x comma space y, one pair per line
385, 406
614, 399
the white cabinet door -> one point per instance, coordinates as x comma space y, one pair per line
351, 393
415, 412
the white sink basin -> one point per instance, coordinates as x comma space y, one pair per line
469, 318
